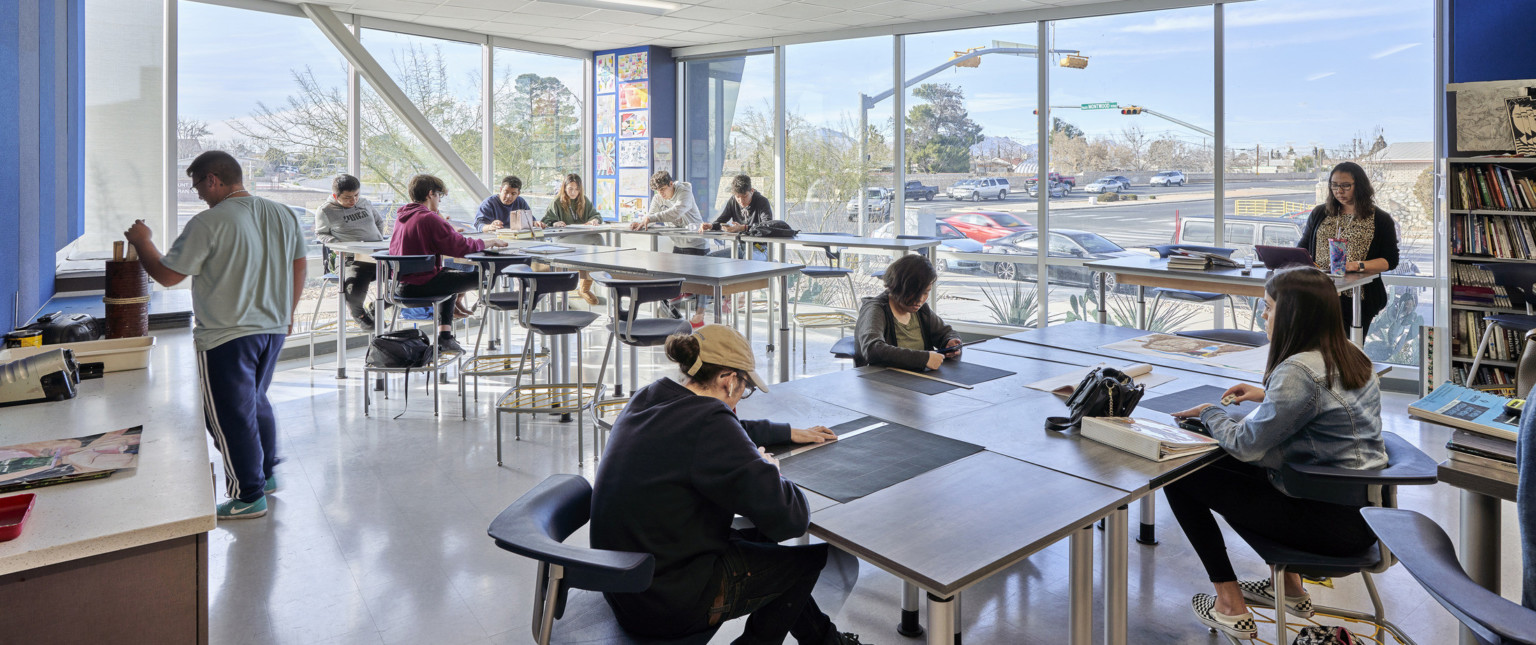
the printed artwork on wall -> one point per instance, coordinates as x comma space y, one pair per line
606, 106
634, 181
604, 156
633, 67
634, 153
632, 208
661, 154
605, 196
605, 73
634, 96
634, 124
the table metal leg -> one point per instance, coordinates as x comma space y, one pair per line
1148, 510
1103, 298
941, 620
1116, 566
618, 357
341, 316
783, 328
1141, 307
909, 625
378, 323
1080, 584
719, 305
1480, 515
1356, 332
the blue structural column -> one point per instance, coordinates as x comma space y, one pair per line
634, 116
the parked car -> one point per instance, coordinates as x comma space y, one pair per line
1056, 189
951, 239
1069, 182
987, 225
1105, 185
962, 186
987, 188
877, 205
916, 190
1125, 182
1242, 232
1168, 178
1063, 243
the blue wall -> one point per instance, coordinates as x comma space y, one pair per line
41, 147
1491, 40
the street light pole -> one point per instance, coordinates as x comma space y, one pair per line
863, 158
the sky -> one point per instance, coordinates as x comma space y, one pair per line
1298, 72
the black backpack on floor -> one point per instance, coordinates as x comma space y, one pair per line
406, 348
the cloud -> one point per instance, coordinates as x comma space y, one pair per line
1320, 76
1393, 50
1244, 17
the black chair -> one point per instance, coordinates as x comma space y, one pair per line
629, 329
497, 304
536, 526
1228, 336
549, 398
832, 270
1426, 551
1406, 466
1517, 280
391, 267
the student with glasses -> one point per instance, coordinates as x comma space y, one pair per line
1370, 233
678, 467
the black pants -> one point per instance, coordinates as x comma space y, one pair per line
356, 277
690, 251
1242, 494
769, 583
445, 282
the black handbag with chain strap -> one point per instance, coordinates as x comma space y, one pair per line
1105, 392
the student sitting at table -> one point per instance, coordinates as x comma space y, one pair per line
673, 204
746, 208
506, 209
349, 218
573, 207
421, 230
678, 467
897, 328
1321, 405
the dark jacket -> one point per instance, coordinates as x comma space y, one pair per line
419, 231
758, 210
677, 468
1383, 245
492, 210
875, 336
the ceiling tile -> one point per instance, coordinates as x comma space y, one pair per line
769, 22
557, 10
1000, 6
465, 13
519, 19
798, 10
496, 5
743, 5
394, 6
842, 4
735, 29
852, 18
708, 14
899, 8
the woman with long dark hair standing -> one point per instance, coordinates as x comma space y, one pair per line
1350, 213
1320, 405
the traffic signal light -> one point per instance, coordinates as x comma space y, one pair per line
1130, 109
1035, 111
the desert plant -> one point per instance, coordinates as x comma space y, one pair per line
1013, 305
1122, 312
1393, 336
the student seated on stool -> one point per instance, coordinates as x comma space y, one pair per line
506, 209
349, 218
678, 466
897, 328
1322, 406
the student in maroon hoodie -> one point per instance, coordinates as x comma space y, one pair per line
420, 230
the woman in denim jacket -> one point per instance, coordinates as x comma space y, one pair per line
1321, 405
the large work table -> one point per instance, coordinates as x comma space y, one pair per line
122, 559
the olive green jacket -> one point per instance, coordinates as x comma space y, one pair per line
583, 214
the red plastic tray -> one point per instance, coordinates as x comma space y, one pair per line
13, 514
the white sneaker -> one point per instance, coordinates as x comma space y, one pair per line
1261, 593
1240, 627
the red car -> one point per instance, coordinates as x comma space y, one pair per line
987, 225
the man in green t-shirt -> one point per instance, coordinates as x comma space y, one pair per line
245, 255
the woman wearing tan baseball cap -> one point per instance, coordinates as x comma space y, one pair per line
678, 467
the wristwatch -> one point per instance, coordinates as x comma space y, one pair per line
1360, 266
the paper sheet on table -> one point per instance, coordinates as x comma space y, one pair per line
1065, 384
1195, 350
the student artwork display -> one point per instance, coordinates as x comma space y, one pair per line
634, 124
605, 196
605, 73
633, 67
604, 156
634, 181
634, 96
45, 463
661, 153
1522, 119
607, 106
1484, 115
1249, 359
634, 153
632, 208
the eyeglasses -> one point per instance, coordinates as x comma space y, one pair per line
746, 380
196, 183
1343, 186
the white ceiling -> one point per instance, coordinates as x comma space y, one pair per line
698, 22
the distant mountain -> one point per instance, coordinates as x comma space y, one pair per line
1002, 147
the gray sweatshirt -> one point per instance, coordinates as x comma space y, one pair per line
360, 223
682, 211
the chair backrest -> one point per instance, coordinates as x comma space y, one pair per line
628, 295
391, 267
1518, 280
1426, 551
536, 526
491, 263
834, 253
534, 285
1165, 250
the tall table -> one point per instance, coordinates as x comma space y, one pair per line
1148, 271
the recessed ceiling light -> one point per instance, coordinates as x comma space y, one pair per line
654, 7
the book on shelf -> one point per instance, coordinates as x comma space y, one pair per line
1491, 378
1490, 186
1481, 450
1149, 439
1468, 409
1474, 286
1467, 329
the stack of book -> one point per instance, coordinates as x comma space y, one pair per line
1149, 439
1503, 237
1482, 451
1492, 187
1474, 287
1188, 260
1468, 409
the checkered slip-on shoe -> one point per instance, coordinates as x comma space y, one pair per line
1261, 593
1240, 626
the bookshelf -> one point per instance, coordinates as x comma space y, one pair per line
1491, 206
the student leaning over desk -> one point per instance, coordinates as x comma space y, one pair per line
897, 328
1320, 405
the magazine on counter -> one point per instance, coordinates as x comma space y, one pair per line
59, 461
1150, 439
1468, 409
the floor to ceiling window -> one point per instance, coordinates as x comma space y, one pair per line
728, 127
123, 77
538, 108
